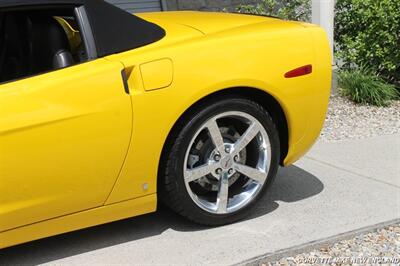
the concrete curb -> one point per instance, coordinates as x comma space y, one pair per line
304, 248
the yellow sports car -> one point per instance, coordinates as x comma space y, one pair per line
104, 113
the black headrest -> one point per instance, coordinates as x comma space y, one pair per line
47, 38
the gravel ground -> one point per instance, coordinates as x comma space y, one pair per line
375, 248
346, 120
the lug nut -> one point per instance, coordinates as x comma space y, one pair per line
236, 158
218, 171
227, 150
217, 157
230, 171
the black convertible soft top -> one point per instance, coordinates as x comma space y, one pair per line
114, 30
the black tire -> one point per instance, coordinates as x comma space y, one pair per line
172, 191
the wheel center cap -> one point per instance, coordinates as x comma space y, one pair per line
227, 162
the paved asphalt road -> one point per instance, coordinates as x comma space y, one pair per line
336, 188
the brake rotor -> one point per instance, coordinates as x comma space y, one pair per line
205, 152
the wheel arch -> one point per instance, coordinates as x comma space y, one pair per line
263, 98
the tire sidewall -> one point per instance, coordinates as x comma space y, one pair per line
186, 135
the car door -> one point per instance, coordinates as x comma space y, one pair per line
63, 139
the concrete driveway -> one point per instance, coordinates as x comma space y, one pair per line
335, 189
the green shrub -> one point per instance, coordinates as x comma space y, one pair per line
367, 32
364, 87
285, 9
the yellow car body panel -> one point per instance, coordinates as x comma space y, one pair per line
157, 74
236, 63
63, 140
76, 221
74, 155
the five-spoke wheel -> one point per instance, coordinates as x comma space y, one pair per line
220, 162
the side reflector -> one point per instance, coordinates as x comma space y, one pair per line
301, 71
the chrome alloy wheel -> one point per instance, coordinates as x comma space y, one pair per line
227, 162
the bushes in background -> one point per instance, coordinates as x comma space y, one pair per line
364, 87
285, 9
367, 33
